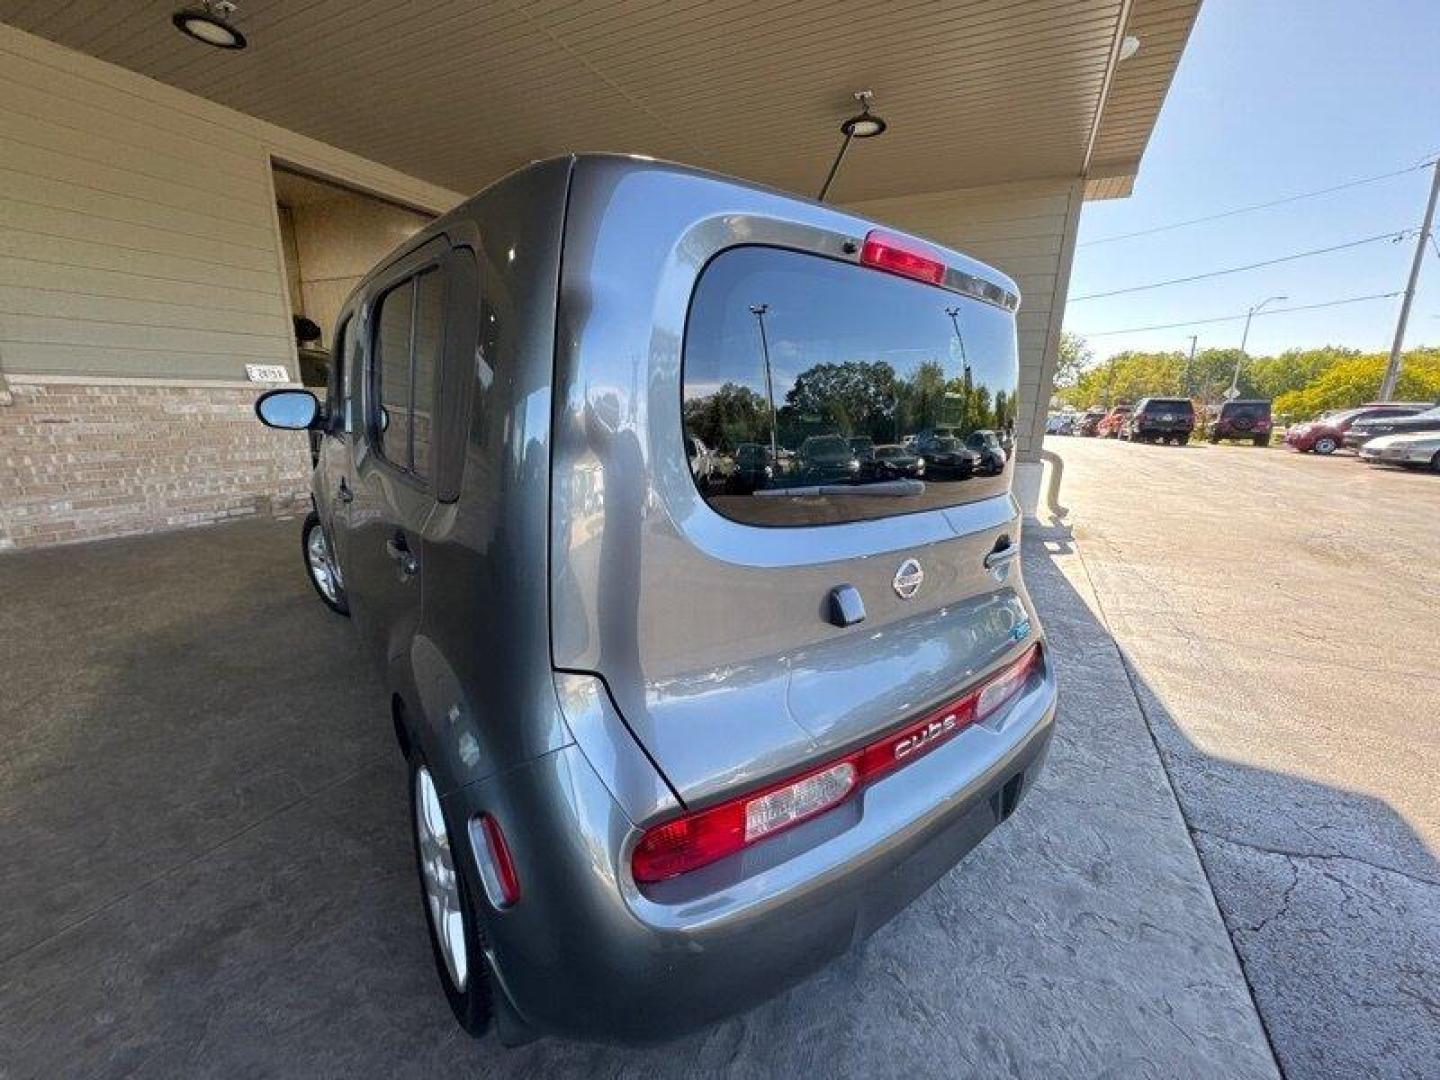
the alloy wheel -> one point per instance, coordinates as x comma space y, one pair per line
438, 874
322, 568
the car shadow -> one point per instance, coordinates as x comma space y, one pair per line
207, 846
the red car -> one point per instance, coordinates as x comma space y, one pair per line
1326, 433
1110, 424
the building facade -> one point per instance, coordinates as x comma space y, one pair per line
156, 245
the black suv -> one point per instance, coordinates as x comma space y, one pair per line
1248, 420
1160, 420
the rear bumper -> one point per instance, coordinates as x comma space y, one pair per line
587, 954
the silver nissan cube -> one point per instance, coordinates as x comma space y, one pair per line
704, 630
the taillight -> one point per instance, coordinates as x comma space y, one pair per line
497, 868
695, 840
898, 255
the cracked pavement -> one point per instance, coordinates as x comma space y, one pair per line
1280, 619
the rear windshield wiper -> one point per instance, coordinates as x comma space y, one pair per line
893, 488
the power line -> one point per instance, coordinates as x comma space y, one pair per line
1256, 206
1392, 236
1236, 318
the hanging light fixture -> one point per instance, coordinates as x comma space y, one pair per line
210, 23
863, 125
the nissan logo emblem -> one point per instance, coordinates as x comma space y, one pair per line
908, 579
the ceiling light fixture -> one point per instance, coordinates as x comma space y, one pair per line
210, 23
1129, 46
863, 125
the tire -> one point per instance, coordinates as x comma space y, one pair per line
1435, 462
1262, 440
1325, 445
320, 566
470, 994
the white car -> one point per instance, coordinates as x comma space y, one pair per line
1418, 448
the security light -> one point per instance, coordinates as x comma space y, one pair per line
210, 23
862, 125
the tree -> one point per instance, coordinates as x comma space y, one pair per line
728, 417
1356, 380
1074, 357
855, 398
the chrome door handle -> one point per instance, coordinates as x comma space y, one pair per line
398, 550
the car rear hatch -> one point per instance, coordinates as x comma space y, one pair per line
714, 612
1167, 415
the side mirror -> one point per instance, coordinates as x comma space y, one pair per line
290, 410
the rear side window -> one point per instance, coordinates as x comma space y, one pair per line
408, 338
816, 391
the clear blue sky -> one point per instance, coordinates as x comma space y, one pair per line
1274, 98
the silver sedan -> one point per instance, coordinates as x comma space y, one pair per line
1417, 449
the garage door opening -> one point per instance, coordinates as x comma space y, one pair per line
331, 236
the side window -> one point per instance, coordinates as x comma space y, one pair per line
429, 338
409, 339
391, 365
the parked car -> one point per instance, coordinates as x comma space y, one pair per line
892, 462
827, 459
1063, 423
658, 766
1416, 449
1362, 431
1088, 425
988, 451
1160, 420
946, 456
754, 468
1243, 418
1326, 433
1109, 425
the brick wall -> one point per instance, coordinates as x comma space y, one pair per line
84, 462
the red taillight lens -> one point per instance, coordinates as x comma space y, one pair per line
698, 839
902, 256
497, 868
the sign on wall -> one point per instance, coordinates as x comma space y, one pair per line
267, 373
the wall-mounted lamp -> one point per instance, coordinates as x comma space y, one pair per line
210, 24
863, 125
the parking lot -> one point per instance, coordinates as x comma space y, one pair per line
206, 864
1280, 614
205, 861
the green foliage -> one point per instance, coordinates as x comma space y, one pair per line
1356, 379
1301, 382
1075, 356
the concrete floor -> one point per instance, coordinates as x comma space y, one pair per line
1280, 615
205, 865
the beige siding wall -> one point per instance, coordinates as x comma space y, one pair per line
1028, 231
138, 231
337, 242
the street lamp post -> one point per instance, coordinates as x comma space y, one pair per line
759, 310
1244, 337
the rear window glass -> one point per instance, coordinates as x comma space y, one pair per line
1170, 405
806, 379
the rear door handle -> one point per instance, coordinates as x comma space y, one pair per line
995, 558
344, 495
399, 550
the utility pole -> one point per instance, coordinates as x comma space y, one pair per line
1392, 370
1234, 390
759, 311
1189, 366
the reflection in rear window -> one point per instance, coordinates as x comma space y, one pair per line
817, 391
